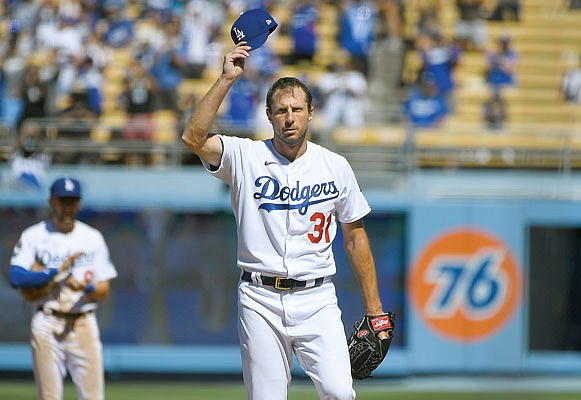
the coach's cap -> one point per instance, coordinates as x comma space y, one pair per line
253, 26
66, 187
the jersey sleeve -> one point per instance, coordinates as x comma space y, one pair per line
105, 269
230, 164
24, 253
352, 205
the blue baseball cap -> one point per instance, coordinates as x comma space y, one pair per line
253, 26
66, 187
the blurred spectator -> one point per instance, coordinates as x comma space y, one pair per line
506, 10
424, 107
64, 35
67, 77
145, 54
47, 25
35, 93
262, 125
470, 28
429, 12
494, 115
494, 112
163, 8
48, 74
168, 69
119, 29
440, 58
235, 7
28, 163
574, 4
303, 31
26, 13
502, 65
149, 33
357, 24
241, 103
90, 16
77, 120
187, 104
200, 26
96, 50
266, 64
342, 92
265, 61
13, 69
70, 9
47, 16
138, 100
571, 83
91, 78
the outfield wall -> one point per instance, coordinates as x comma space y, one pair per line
481, 269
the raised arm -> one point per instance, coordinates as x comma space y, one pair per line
195, 135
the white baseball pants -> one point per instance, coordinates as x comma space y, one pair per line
60, 344
274, 324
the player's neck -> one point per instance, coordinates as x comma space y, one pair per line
63, 225
290, 151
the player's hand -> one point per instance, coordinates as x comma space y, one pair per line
383, 335
68, 263
76, 285
73, 283
234, 61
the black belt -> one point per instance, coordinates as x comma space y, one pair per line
60, 314
280, 283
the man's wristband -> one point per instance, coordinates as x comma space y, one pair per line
90, 288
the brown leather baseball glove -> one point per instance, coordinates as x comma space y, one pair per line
34, 293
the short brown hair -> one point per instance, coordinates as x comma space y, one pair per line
285, 83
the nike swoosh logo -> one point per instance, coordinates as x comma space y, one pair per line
267, 163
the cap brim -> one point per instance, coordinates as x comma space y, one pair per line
258, 41
68, 195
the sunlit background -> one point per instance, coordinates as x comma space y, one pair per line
461, 119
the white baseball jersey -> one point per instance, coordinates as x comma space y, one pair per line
43, 242
287, 212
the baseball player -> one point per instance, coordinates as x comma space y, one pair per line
287, 195
67, 262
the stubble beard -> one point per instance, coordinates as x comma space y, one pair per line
293, 141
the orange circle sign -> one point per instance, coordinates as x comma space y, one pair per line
465, 284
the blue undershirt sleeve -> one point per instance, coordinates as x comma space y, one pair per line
20, 277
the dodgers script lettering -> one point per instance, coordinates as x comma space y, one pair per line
290, 198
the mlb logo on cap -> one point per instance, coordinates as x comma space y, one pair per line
253, 27
65, 187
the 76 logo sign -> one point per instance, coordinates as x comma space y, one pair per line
475, 286
465, 284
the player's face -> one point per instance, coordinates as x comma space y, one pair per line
64, 212
289, 116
